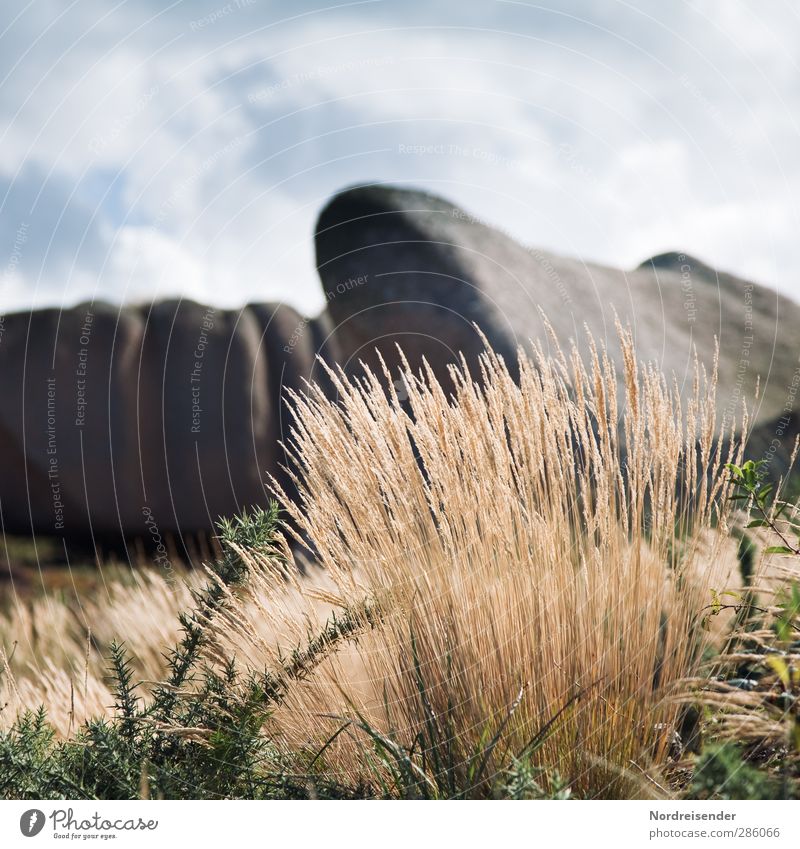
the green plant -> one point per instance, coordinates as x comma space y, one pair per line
758, 494
197, 736
722, 773
778, 516
757, 676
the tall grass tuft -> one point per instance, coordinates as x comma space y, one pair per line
535, 556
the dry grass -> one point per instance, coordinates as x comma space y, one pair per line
519, 563
54, 652
525, 550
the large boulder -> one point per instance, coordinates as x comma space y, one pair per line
402, 266
145, 421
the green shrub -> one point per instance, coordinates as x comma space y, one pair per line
722, 773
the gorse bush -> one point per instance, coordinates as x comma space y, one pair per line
503, 595
196, 735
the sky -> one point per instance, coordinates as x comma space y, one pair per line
185, 148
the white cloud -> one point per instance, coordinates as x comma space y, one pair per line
153, 156
143, 263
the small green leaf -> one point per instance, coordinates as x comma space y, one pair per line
778, 665
783, 629
778, 549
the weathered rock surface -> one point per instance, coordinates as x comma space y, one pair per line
430, 270
143, 421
